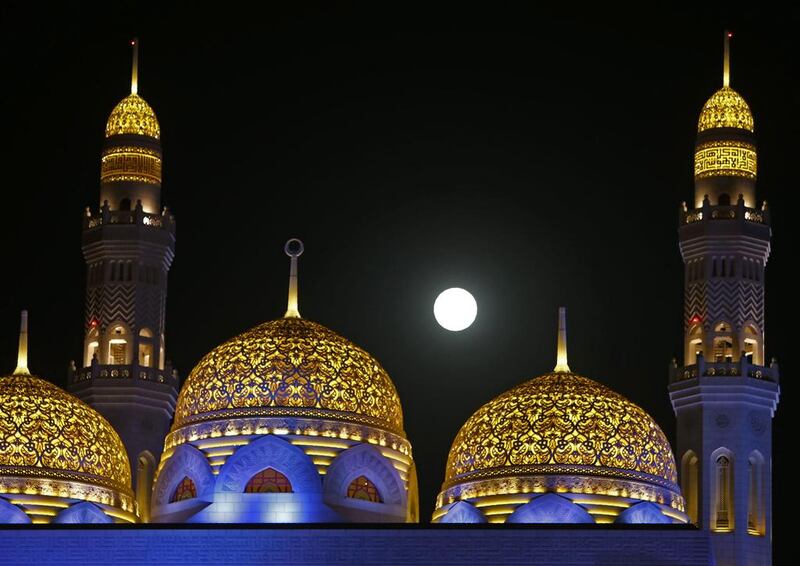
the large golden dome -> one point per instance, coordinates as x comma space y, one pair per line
132, 115
290, 367
560, 420
46, 432
725, 109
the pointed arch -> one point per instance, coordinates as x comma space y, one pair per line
364, 460
722, 512
10, 514
463, 512
269, 452
186, 461
84, 513
550, 508
690, 484
145, 470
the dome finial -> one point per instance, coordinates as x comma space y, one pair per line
561, 356
135, 70
294, 249
22, 355
726, 62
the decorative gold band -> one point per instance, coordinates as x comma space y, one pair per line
135, 164
725, 158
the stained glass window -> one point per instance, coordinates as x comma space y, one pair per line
185, 490
362, 488
268, 481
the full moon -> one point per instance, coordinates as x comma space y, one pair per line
455, 309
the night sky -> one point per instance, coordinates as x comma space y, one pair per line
538, 166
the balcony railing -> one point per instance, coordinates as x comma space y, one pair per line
166, 376
106, 216
737, 211
736, 369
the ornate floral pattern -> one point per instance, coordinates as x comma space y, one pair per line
44, 429
289, 362
726, 109
562, 419
132, 115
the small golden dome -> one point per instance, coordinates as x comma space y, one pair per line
560, 419
726, 109
133, 116
47, 433
290, 367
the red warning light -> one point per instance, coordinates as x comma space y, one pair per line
696, 319
94, 323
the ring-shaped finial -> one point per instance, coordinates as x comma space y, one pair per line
294, 247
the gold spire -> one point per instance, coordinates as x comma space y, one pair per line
561, 357
22, 355
294, 249
135, 70
726, 62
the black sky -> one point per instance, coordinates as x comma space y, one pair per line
537, 166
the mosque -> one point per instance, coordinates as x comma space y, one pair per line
290, 422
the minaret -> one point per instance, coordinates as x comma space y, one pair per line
128, 246
725, 394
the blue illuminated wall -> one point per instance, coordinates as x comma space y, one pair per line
401, 545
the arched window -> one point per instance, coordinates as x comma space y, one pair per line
118, 346
755, 500
145, 347
362, 488
690, 481
724, 199
268, 481
723, 500
185, 490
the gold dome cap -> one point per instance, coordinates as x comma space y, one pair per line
52, 443
132, 115
726, 109
290, 367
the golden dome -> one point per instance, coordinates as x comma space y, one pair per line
132, 115
47, 433
560, 420
290, 367
726, 109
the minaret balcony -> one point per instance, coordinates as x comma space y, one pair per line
125, 372
741, 368
721, 212
136, 217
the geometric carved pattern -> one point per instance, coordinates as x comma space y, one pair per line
643, 513
185, 462
268, 481
463, 512
46, 429
82, 513
725, 158
111, 303
362, 488
732, 300
561, 419
725, 109
185, 490
290, 362
367, 461
268, 451
132, 115
550, 508
131, 163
